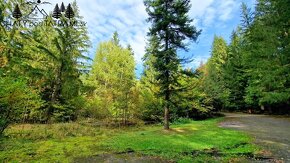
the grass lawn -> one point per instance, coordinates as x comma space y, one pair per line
197, 141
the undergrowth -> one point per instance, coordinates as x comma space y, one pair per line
187, 141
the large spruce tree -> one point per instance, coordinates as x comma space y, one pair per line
172, 26
266, 60
214, 81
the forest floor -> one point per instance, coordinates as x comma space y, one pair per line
272, 133
194, 141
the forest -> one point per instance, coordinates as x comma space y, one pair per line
46, 78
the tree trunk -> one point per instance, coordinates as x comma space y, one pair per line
270, 110
57, 86
55, 92
167, 91
166, 118
3, 127
166, 110
124, 116
6, 121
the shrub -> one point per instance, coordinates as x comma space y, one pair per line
17, 99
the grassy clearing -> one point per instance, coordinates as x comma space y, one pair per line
192, 142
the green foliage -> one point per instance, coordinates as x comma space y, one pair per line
67, 47
95, 108
214, 81
152, 105
48, 60
171, 26
193, 100
266, 57
112, 79
251, 72
17, 101
234, 74
180, 121
55, 131
67, 141
189, 99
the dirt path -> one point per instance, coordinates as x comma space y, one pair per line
270, 132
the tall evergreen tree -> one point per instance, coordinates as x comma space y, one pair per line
62, 51
234, 76
152, 104
214, 77
171, 25
266, 57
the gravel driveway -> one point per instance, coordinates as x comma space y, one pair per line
270, 132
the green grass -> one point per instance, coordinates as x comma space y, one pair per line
196, 141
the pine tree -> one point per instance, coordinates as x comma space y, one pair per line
234, 74
265, 59
152, 103
171, 25
214, 77
63, 48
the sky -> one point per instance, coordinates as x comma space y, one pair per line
128, 18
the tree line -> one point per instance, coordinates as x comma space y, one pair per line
46, 78
251, 73
40, 69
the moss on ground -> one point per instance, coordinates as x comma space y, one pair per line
197, 141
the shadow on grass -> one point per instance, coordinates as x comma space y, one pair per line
202, 140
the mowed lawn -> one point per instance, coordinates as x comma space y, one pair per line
195, 141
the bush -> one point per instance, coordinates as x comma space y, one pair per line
95, 108
182, 121
16, 101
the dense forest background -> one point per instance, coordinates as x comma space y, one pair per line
45, 76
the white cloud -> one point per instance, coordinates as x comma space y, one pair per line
209, 11
104, 17
128, 17
199, 7
213, 17
210, 16
226, 8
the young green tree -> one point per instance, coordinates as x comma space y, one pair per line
172, 26
214, 81
189, 102
234, 74
152, 103
194, 100
113, 77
